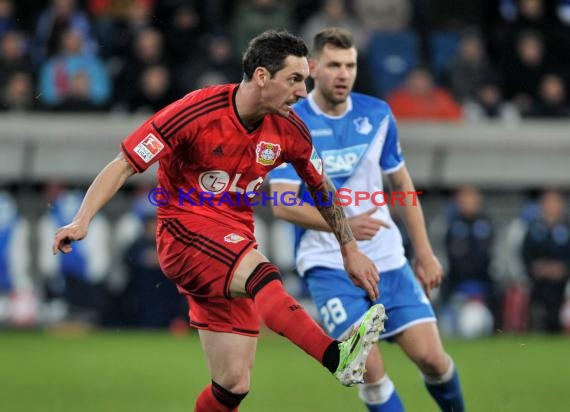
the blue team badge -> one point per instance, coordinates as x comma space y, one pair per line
342, 162
363, 125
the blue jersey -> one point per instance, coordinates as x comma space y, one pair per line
356, 148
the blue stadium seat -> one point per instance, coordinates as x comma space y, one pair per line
443, 46
392, 55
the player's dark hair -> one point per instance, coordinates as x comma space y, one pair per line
269, 50
334, 36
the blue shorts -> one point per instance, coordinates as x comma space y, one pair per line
341, 304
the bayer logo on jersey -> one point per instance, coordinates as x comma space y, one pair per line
341, 162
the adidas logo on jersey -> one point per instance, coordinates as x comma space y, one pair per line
218, 151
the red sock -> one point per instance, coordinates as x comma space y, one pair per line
208, 402
283, 314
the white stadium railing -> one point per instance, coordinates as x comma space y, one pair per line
40, 147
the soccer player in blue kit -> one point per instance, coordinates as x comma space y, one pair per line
357, 138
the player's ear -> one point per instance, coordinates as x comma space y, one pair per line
261, 76
312, 67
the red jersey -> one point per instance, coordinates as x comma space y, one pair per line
210, 163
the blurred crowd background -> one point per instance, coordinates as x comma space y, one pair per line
506, 255
436, 59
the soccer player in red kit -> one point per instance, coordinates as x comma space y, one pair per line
214, 147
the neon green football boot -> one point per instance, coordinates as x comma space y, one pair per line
355, 349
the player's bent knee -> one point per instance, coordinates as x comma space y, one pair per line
263, 274
235, 381
226, 397
434, 364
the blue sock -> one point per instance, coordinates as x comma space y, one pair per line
381, 396
393, 404
447, 394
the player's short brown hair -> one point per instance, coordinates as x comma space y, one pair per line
270, 49
334, 36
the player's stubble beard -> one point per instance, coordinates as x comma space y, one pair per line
333, 100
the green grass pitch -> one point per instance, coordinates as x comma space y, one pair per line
134, 371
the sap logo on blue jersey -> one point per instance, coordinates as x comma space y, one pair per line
341, 162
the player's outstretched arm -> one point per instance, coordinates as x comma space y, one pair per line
103, 188
361, 270
426, 265
363, 226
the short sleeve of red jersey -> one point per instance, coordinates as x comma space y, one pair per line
302, 154
146, 145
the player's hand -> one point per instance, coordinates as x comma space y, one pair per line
364, 226
429, 272
361, 270
67, 234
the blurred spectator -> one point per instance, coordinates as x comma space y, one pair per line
455, 14
560, 33
210, 78
469, 243
76, 280
528, 14
517, 17
217, 14
255, 16
383, 15
332, 14
18, 297
219, 65
130, 225
514, 236
304, 9
546, 254
183, 35
468, 68
552, 100
7, 20
565, 310
13, 55
516, 295
421, 99
523, 71
17, 95
155, 90
147, 50
488, 103
78, 98
59, 17
117, 22
508, 9
150, 300
524, 15
59, 73
563, 11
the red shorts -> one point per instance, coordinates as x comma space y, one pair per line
200, 257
